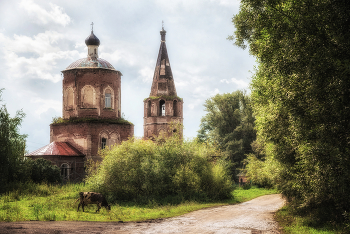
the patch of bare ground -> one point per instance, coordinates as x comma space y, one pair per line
253, 217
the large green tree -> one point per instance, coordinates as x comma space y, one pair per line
301, 96
12, 146
229, 125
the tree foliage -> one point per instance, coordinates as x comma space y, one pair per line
139, 169
301, 96
229, 125
12, 146
14, 167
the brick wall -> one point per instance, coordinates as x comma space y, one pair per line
84, 93
87, 137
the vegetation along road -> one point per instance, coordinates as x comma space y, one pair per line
254, 216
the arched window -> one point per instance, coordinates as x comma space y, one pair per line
103, 143
108, 98
162, 108
149, 108
88, 96
108, 93
65, 171
175, 108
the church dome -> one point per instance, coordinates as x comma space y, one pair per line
90, 63
92, 40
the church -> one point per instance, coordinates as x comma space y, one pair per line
91, 111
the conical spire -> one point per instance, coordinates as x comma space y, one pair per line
163, 83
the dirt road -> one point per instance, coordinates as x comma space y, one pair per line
255, 216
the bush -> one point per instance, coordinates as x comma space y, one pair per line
43, 171
142, 168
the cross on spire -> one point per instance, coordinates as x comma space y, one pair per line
162, 25
92, 26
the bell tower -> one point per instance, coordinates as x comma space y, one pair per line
163, 108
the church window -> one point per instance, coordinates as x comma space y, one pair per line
109, 97
65, 171
149, 110
162, 108
108, 100
103, 143
175, 108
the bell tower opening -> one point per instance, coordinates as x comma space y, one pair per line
149, 110
175, 108
162, 108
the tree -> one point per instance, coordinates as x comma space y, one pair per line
301, 96
229, 124
12, 146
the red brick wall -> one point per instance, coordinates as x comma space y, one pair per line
86, 137
99, 79
155, 123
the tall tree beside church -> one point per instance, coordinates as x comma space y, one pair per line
12, 146
301, 96
229, 124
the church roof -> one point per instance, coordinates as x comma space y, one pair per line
92, 40
163, 82
56, 149
90, 63
163, 57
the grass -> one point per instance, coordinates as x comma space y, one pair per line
55, 202
298, 224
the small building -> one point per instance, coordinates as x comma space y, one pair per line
64, 155
242, 178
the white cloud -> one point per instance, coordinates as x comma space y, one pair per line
43, 16
34, 57
38, 44
227, 2
239, 83
43, 105
146, 74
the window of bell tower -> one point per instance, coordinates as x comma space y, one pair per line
149, 110
175, 108
162, 108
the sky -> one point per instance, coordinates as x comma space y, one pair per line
40, 38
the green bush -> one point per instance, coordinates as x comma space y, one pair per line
142, 168
43, 171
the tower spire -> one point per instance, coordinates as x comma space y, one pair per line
163, 107
162, 33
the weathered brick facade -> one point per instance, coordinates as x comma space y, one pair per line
163, 107
84, 93
91, 113
87, 137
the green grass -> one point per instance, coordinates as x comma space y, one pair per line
298, 224
55, 202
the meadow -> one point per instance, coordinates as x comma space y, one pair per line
58, 202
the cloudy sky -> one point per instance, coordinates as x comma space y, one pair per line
40, 38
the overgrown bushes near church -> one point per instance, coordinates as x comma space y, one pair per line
139, 169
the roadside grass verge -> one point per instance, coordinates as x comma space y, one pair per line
57, 202
292, 223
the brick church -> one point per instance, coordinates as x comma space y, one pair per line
92, 110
